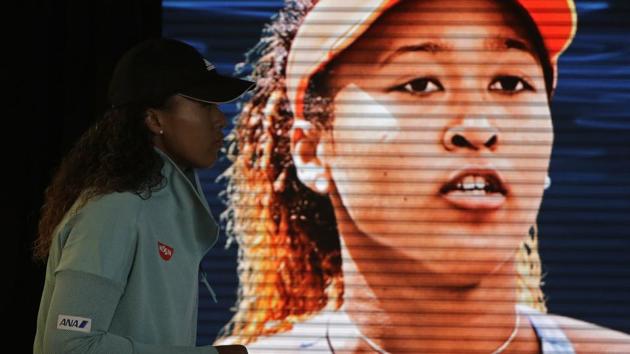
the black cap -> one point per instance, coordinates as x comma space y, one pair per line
157, 68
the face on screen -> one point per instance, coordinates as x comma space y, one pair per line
441, 136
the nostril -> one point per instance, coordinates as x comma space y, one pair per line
460, 141
491, 142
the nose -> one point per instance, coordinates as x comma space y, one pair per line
223, 120
471, 133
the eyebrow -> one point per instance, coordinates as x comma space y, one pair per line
507, 43
500, 43
428, 47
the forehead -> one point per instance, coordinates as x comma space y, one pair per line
178, 102
446, 26
459, 11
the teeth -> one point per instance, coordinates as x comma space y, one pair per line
480, 182
469, 182
473, 183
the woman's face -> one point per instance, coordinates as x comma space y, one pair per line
441, 136
192, 134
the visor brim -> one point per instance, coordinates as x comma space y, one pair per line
218, 89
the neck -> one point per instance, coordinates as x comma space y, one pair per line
182, 167
403, 305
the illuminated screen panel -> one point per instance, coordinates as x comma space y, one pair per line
400, 182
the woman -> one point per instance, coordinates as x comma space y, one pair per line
387, 174
125, 223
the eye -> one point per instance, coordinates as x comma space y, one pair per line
419, 86
509, 84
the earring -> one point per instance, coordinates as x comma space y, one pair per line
315, 180
322, 184
547, 182
161, 132
280, 183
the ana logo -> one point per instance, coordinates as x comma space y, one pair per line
166, 252
73, 323
209, 65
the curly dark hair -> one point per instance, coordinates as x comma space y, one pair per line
114, 155
286, 272
289, 259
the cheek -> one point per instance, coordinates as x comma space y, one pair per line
202, 131
527, 147
188, 134
380, 161
194, 139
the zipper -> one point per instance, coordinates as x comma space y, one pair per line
205, 282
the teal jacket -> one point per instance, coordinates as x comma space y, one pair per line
123, 272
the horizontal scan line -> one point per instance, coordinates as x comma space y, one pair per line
556, 197
369, 116
450, 103
434, 9
569, 221
549, 200
571, 209
433, 22
440, 155
594, 248
616, 289
564, 182
601, 268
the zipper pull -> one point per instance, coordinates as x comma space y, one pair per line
205, 281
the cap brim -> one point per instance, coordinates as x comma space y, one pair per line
218, 89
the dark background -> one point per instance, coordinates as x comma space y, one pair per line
61, 55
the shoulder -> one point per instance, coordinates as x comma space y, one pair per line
114, 203
320, 333
101, 223
101, 237
118, 207
590, 338
309, 335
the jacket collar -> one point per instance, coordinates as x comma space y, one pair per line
171, 168
182, 186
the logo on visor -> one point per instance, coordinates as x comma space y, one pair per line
166, 252
209, 65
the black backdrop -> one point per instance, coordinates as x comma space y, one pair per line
62, 54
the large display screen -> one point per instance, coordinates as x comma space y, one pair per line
418, 176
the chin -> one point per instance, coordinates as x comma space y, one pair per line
464, 274
209, 164
457, 260
210, 160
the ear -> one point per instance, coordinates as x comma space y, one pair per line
153, 121
307, 151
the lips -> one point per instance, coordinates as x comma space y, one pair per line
475, 188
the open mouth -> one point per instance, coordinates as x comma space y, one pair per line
475, 188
